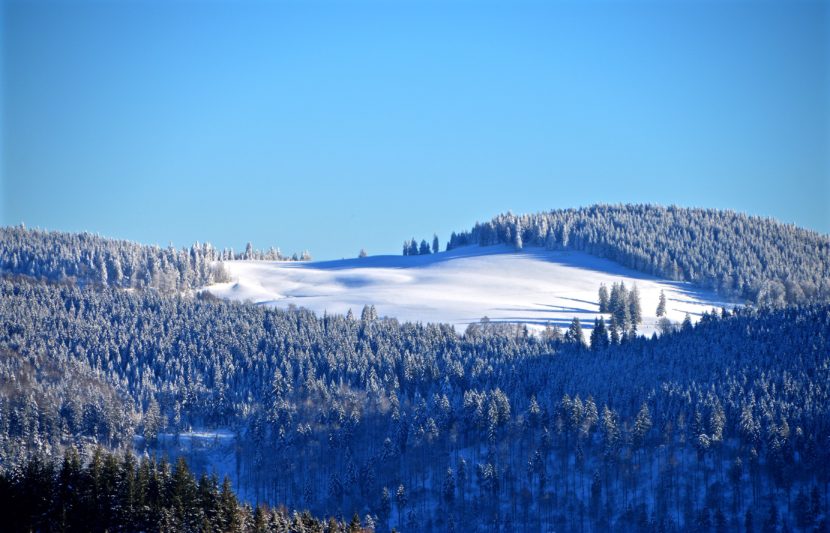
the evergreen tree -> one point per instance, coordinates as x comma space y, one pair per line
449, 487
642, 425
354, 525
599, 335
574, 334
634, 308
603, 299
661, 306
614, 331
400, 497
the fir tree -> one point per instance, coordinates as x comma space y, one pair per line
574, 334
599, 335
603, 299
661, 306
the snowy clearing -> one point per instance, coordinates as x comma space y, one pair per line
531, 286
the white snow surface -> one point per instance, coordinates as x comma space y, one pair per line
531, 286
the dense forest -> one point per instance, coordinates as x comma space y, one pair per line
90, 259
723, 425
109, 492
751, 258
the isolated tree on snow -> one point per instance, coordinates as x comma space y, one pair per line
634, 309
435, 247
661, 306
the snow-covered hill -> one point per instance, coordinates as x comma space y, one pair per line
532, 286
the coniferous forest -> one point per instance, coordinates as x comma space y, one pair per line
109, 353
755, 259
113, 492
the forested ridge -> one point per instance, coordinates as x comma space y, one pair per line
90, 259
709, 427
751, 258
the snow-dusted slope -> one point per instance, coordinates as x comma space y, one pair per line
532, 286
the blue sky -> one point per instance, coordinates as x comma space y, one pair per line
332, 126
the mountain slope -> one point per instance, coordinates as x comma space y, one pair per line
748, 257
534, 287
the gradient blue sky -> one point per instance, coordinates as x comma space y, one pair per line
341, 125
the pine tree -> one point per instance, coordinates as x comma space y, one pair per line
614, 331
152, 421
603, 299
400, 497
661, 306
260, 520
634, 308
642, 425
574, 334
435, 246
229, 517
354, 525
599, 335
385, 504
449, 487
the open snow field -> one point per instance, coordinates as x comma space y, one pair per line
531, 286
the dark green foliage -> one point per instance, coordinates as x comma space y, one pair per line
122, 494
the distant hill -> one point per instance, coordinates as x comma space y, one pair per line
756, 259
91, 259
535, 287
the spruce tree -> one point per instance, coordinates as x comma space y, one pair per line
661, 306
603, 299
574, 334
634, 308
599, 335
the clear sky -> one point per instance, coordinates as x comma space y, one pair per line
336, 126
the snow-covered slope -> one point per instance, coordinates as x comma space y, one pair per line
531, 286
